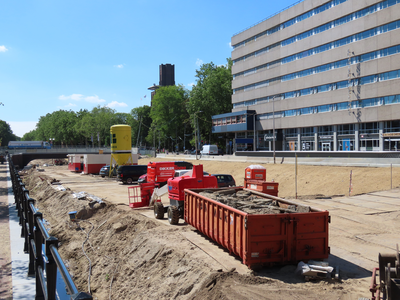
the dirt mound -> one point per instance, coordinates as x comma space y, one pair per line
122, 251
215, 285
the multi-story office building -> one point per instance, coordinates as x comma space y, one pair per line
323, 75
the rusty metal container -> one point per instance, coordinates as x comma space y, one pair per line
270, 188
260, 239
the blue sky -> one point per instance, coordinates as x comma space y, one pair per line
75, 55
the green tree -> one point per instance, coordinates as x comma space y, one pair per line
6, 134
140, 117
169, 114
212, 95
30, 136
58, 125
96, 124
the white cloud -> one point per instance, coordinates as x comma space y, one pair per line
191, 84
230, 45
114, 104
80, 97
76, 97
119, 66
199, 62
70, 105
20, 128
3, 48
94, 99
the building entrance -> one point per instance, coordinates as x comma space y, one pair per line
326, 146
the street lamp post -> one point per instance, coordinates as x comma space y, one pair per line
195, 132
273, 126
254, 132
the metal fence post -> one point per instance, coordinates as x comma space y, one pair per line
51, 268
31, 222
38, 255
25, 214
18, 198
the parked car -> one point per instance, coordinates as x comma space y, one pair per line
143, 178
105, 171
183, 172
224, 180
129, 174
209, 150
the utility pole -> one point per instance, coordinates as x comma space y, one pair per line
137, 141
195, 131
273, 126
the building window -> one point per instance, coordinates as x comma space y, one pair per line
392, 126
345, 129
344, 41
291, 132
325, 130
366, 128
307, 131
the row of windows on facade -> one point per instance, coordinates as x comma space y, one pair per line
342, 130
324, 68
229, 120
343, 20
394, 99
332, 45
323, 145
290, 22
349, 84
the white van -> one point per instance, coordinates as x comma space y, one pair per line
209, 150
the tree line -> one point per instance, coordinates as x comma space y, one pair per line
168, 123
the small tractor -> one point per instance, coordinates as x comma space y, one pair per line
176, 193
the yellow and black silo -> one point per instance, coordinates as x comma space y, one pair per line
121, 144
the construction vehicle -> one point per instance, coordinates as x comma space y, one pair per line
176, 194
157, 175
160, 172
389, 277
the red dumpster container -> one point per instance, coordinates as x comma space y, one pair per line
262, 239
270, 188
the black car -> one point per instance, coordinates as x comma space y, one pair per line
105, 171
129, 174
225, 180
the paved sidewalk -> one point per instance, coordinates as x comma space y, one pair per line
14, 282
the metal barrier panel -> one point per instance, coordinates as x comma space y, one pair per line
134, 196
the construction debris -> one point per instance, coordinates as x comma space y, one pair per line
315, 270
251, 203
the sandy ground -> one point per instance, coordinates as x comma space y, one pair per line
311, 180
136, 257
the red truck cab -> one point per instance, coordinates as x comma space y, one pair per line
176, 193
160, 172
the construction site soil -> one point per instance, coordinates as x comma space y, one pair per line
115, 252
